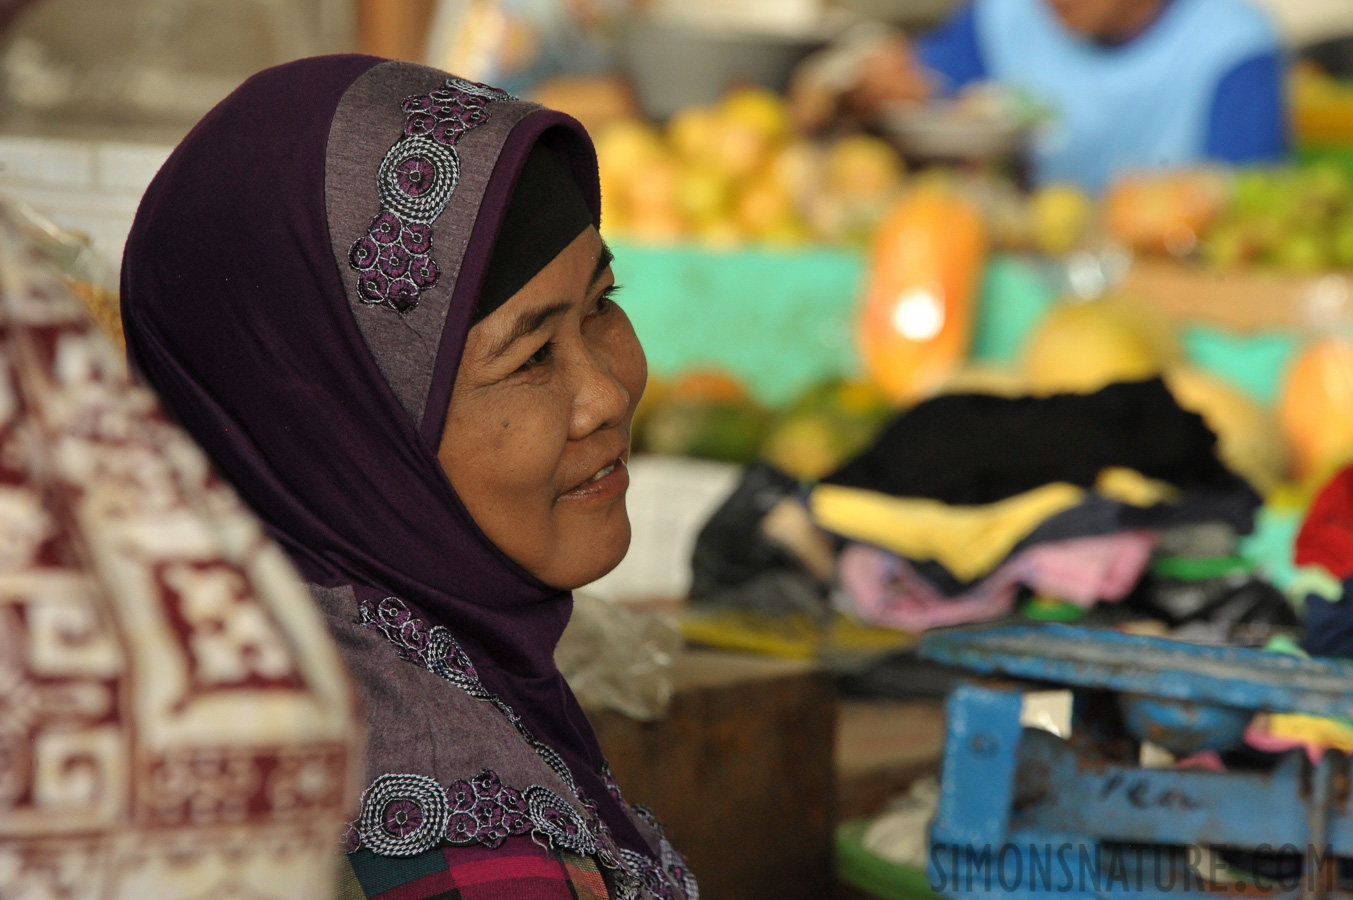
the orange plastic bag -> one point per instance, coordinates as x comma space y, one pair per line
916, 321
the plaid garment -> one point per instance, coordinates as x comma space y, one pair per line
518, 870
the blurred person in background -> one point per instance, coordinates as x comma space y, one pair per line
1126, 84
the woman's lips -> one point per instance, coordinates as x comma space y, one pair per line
609, 481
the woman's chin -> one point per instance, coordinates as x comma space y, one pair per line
581, 566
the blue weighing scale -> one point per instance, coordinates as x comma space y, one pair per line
1023, 812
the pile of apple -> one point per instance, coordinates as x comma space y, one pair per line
1296, 219
735, 173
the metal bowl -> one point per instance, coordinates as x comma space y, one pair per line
941, 130
1183, 726
674, 65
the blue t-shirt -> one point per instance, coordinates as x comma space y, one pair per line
1234, 79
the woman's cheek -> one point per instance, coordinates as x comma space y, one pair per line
626, 358
530, 439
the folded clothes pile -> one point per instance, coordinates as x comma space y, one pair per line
966, 499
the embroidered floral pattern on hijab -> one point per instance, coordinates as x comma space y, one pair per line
393, 259
406, 814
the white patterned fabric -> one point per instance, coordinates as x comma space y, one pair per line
174, 719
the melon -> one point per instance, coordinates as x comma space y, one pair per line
1082, 346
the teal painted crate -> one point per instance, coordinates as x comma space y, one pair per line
783, 320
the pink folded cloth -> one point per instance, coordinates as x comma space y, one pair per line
886, 590
1089, 569
1206, 760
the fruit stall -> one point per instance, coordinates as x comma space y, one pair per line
800, 300
738, 242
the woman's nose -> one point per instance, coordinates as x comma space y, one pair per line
601, 399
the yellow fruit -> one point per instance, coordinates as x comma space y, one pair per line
797, 167
786, 233
720, 234
702, 193
762, 110
692, 132
977, 379
656, 227
862, 165
624, 147
1166, 212
825, 425
652, 189
710, 384
861, 398
738, 149
1248, 439
1158, 332
762, 206
1081, 347
655, 396
805, 447
614, 208
1061, 213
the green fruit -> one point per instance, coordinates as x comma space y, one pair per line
730, 432
851, 398
1226, 247
1324, 183
810, 444
1343, 242
1300, 253
1254, 193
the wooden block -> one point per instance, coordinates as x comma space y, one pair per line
882, 746
1246, 300
740, 771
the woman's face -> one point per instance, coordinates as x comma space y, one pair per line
1106, 18
541, 407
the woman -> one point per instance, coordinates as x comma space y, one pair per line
1101, 68
376, 295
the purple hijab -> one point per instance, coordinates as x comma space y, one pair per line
300, 298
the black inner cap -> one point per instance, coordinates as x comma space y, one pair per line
545, 214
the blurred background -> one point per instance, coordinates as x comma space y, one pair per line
827, 216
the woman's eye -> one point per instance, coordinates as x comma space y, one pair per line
542, 355
606, 301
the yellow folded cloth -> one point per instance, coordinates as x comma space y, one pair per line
1314, 730
969, 541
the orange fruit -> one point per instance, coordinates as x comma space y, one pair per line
1315, 408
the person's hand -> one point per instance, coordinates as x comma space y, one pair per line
857, 78
890, 74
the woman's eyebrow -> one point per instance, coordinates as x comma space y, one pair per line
603, 262
525, 324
